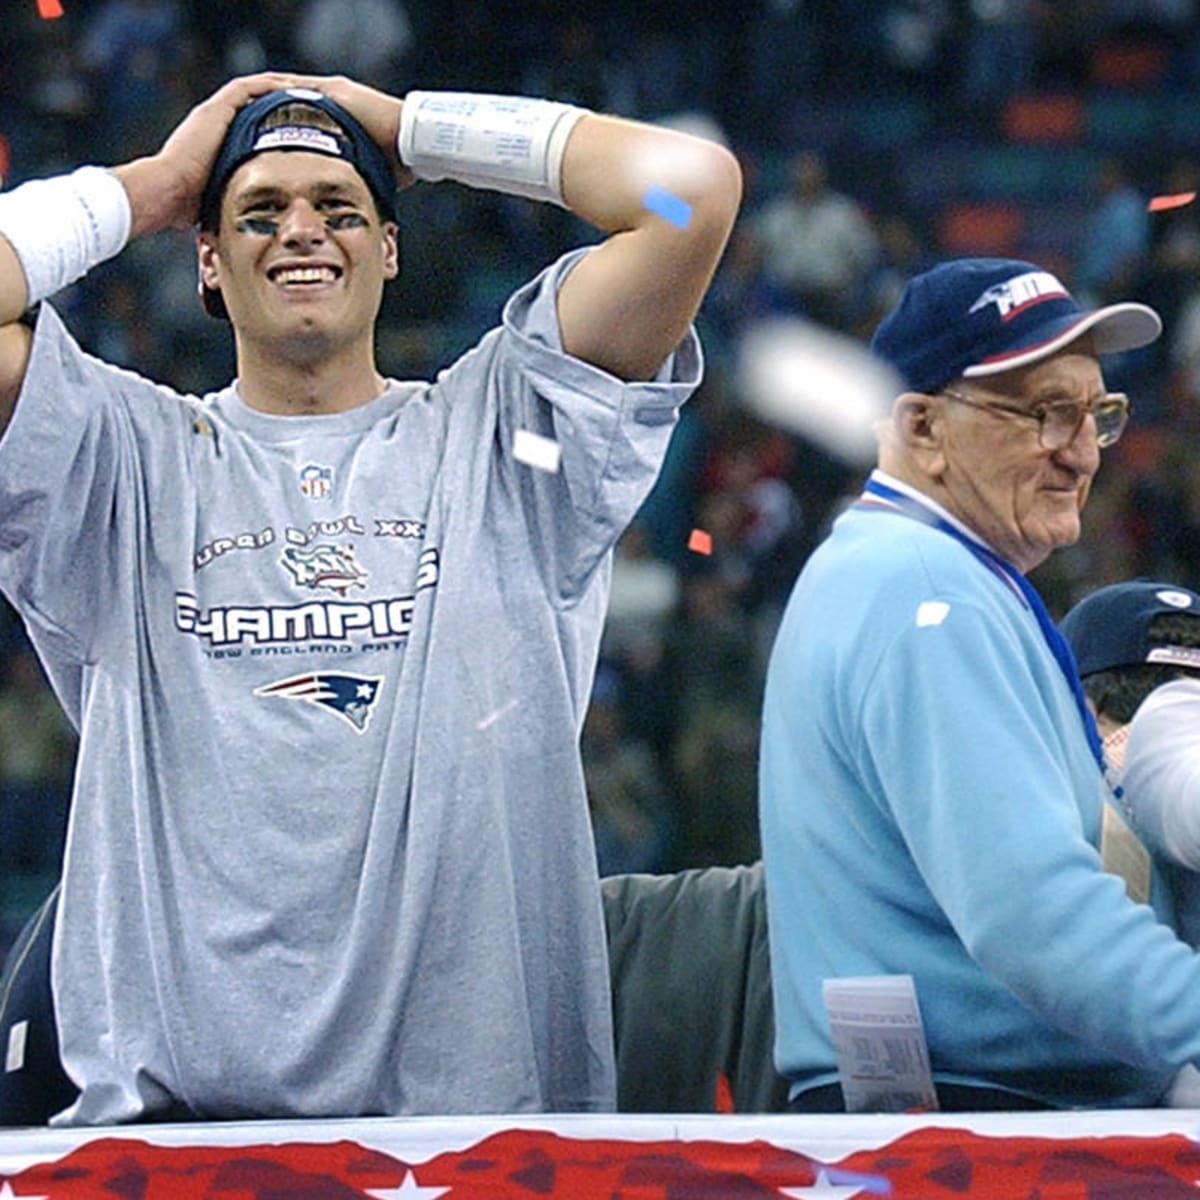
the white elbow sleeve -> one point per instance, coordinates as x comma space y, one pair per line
506, 143
62, 227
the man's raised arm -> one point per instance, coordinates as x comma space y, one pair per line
668, 200
53, 231
14, 337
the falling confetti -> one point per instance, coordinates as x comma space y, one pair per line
1178, 200
536, 451
668, 206
49, 10
931, 612
700, 542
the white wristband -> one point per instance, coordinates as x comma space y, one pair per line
506, 143
62, 227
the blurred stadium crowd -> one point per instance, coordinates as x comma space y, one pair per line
875, 139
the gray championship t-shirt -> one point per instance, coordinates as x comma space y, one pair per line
329, 849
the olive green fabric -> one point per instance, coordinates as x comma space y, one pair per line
691, 981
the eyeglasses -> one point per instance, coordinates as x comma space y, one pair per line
1059, 422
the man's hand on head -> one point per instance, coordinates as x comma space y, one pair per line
376, 111
165, 188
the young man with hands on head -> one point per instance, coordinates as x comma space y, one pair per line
327, 640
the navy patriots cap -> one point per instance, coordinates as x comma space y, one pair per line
1110, 627
981, 316
246, 137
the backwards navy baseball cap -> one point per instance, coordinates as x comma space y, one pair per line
250, 133
1111, 627
981, 316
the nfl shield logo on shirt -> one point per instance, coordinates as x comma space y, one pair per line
316, 482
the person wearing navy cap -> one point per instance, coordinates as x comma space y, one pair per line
329, 637
1137, 647
1129, 639
932, 782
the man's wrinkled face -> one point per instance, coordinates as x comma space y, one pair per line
1021, 497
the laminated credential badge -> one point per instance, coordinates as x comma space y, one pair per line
879, 1040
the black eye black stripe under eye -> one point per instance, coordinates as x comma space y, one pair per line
271, 224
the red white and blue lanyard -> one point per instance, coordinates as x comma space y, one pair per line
876, 494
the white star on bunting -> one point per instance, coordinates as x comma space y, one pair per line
409, 1189
8, 1194
840, 1186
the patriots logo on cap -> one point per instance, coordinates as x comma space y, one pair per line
1015, 295
352, 697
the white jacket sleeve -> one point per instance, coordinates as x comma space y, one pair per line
1161, 779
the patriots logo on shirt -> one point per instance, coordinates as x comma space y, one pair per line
352, 697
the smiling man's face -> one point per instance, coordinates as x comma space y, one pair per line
301, 250
1021, 498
